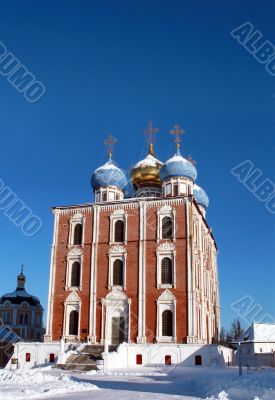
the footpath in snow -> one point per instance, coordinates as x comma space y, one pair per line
142, 384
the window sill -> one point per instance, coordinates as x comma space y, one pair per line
73, 288
116, 287
166, 286
166, 339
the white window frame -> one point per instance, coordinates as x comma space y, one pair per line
75, 220
72, 303
166, 211
74, 254
166, 301
117, 253
118, 215
166, 250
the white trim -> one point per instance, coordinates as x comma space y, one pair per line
141, 274
75, 220
166, 301
48, 335
118, 215
74, 255
116, 253
166, 211
92, 324
72, 303
166, 250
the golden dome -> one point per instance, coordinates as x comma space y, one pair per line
146, 172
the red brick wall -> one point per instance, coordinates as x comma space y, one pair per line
152, 293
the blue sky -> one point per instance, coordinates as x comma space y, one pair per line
111, 66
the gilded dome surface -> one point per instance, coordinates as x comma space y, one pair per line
146, 172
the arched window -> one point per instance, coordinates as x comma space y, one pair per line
75, 274
26, 319
119, 231
167, 323
73, 324
118, 273
167, 228
166, 271
21, 319
78, 234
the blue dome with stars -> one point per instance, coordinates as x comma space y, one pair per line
108, 175
200, 196
178, 166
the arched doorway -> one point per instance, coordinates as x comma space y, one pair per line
118, 330
73, 323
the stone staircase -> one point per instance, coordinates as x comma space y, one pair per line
85, 360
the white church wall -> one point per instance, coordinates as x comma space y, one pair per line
38, 354
181, 355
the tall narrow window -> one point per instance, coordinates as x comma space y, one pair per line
166, 271
21, 318
78, 234
119, 231
167, 228
176, 189
118, 273
73, 323
75, 275
26, 319
167, 323
104, 196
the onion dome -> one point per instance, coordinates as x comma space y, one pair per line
146, 172
129, 191
108, 175
201, 196
20, 294
178, 166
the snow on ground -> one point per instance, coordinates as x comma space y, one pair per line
37, 383
140, 384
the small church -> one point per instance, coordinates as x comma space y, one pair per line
21, 316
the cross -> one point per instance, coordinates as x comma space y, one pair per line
190, 159
177, 131
149, 132
22, 268
109, 142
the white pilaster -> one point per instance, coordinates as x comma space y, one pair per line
48, 335
141, 278
190, 291
92, 325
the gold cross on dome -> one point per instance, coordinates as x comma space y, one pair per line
109, 142
190, 159
149, 132
177, 131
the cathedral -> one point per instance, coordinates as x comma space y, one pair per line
139, 264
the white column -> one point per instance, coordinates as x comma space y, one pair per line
48, 335
102, 322
92, 325
141, 279
129, 320
190, 284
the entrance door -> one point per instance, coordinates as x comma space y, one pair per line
118, 330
